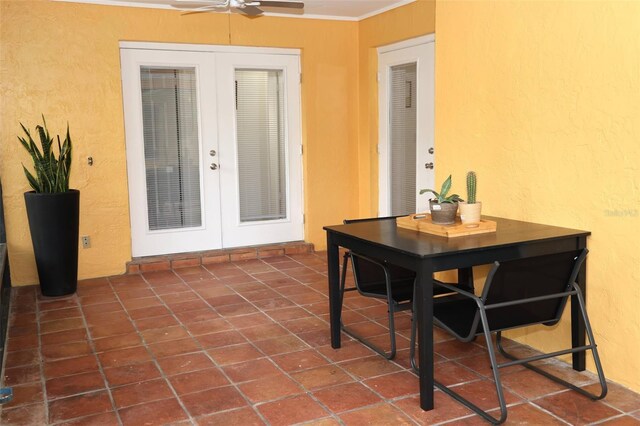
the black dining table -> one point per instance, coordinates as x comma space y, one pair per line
425, 254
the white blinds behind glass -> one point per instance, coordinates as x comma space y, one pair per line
261, 149
172, 155
402, 138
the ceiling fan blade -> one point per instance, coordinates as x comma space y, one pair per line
203, 2
250, 10
192, 8
198, 10
290, 4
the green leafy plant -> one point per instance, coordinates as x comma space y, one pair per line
442, 197
51, 173
471, 187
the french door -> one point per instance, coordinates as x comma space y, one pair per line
213, 148
406, 125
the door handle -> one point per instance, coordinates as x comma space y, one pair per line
212, 153
428, 166
431, 150
213, 166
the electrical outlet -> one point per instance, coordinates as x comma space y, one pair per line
86, 241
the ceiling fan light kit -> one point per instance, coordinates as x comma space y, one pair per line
247, 7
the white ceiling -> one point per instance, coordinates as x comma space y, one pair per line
352, 10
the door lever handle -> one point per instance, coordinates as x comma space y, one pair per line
213, 166
428, 166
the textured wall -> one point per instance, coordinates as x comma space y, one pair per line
542, 99
62, 59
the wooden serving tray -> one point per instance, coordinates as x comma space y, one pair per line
423, 224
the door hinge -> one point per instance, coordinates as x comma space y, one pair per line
301, 149
304, 218
378, 77
300, 78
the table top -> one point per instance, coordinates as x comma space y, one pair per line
385, 233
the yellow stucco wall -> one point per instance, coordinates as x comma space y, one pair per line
62, 60
542, 100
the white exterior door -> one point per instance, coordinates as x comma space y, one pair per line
171, 125
406, 120
213, 154
260, 162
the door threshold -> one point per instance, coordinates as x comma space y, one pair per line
183, 260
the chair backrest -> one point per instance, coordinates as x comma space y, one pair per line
370, 275
530, 278
369, 219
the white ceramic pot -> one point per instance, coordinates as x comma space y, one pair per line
470, 214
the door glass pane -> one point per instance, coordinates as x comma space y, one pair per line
261, 149
402, 125
171, 149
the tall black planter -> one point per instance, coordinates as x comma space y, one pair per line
54, 221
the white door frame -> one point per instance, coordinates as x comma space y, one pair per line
210, 132
290, 228
145, 242
420, 50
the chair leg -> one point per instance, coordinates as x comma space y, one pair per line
592, 346
390, 303
343, 281
388, 355
496, 378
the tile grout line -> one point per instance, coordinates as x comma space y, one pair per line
354, 378
305, 391
152, 354
308, 392
41, 363
254, 406
205, 351
95, 355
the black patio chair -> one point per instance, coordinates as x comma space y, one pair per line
379, 279
516, 294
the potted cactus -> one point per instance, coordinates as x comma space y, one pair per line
443, 207
471, 209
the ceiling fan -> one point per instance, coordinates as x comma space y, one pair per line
247, 7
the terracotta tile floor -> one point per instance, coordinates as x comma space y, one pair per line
246, 343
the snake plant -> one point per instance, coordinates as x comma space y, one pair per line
442, 197
51, 174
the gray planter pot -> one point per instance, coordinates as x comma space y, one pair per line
443, 214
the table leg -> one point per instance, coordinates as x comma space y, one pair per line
578, 330
424, 318
333, 267
465, 279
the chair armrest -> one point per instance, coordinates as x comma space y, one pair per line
455, 289
368, 259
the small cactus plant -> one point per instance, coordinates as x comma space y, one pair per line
471, 187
